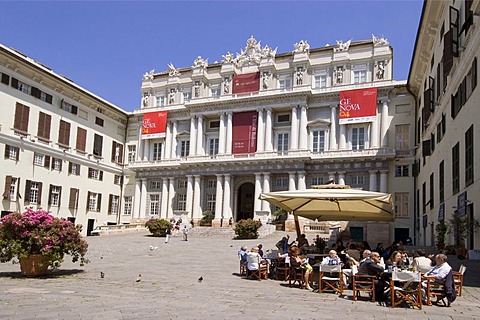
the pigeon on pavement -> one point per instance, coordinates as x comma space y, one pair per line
200, 279
102, 275
139, 278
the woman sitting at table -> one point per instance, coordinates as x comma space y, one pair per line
395, 261
353, 252
332, 259
254, 260
421, 262
296, 261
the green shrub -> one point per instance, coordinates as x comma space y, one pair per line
207, 218
247, 229
158, 227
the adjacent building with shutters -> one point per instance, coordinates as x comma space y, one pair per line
444, 77
63, 146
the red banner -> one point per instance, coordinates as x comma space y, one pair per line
244, 132
358, 106
249, 82
154, 125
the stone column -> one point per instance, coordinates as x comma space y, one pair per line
137, 199
189, 200
331, 177
193, 137
227, 209
260, 132
268, 131
333, 128
197, 210
373, 180
341, 177
164, 203
301, 180
291, 181
168, 141
383, 180
374, 133
218, 199
294, 130
343, 137
266, 189
228, 149
303, 136
221, 135
143, 199
384, 128
171, 195
257, 205
173, 153
200, 150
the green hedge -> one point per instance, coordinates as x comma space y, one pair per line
158, 227
247, 229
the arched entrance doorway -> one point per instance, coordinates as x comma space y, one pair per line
245, 201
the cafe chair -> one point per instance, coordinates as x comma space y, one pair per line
406, 287
260, 273
437, 289
330, 278
282, 269
458, 279
362, 283
296, 274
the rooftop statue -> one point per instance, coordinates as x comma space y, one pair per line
200, 63
172, 71
148, 76
301, 46
342, 46
380, 41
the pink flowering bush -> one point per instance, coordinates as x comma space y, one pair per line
38, 232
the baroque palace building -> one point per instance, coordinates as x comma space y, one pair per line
212, 137
443, 77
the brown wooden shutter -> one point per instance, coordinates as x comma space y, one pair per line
120, 158
64, 133
8, 184
89, 172
98, 145
7, 151
48, 98
21, 117
73, 200
59, 195
35, 92
439, 79
44, 124
100, 175
14, 83
114, 147
46, 161
5, 79
110, 198
81, 139
99, 201
50, 195
69, 167
78, 169
28, 187
18, 190
447, 53
39, 201
88, 198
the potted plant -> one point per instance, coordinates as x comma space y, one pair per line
320, 244
280, 215
158, 227
207, 218
37, 240
440, 231
247, 229
461, 227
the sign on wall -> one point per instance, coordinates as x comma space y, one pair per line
154, 125
462, 203
249, 82
358, 106
244, 132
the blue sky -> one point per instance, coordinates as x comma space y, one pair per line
107, 46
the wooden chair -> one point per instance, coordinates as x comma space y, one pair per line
330, 278
409, 289
260, 273
282, 269
243, 267
458, 279
362, 283
296, 274
436, 289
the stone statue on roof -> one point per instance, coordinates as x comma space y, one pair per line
148, 76
227, 58
172, 71
341, 47
301, 46
200, 63
379, 41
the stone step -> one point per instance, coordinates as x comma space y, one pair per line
209, 232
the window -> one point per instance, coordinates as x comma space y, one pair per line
21, 118
73, 199
117, 152
19, 85
424, 197
11, 152
441, 182
57, 164
113, 203
284, 84
211, 202
127, 205
55, 194
358, 138
357, 181
154, 204
456, 168
68, 107
132, 153
213, 146
187, 95
401, 204
34, 192
402, 137
181, 202
73, 169
214, 124
157, 151
182, 184
117, 179
211, 183
97, 145
44, 123
320, 81
469, 160
81, 139
156, 185
94, 201
402, 171
282, 142
99, 121
441, 128
360, 76
432, 190
316, 181
5, 79
11, 188
215, 92
95, 174
282, 182
64, 134
282, 118
41, 160
159, 101
39, 94
184, 148
318, 141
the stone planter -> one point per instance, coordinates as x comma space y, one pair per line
33, 265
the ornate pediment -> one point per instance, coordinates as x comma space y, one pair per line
252, 55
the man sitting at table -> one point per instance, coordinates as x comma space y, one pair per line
332, 259
421, 262
371, 267
442, 268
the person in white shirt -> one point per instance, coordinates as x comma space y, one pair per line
421, 263
185, 233
441, 270
332, 259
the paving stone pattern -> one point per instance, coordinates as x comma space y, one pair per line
169, 287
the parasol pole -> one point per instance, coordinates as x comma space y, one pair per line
297, 224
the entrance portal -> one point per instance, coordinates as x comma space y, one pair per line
245, 201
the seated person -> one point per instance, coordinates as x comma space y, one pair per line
297, 261
353, 252
371, 267
254, 260
421, 263
283, 245
395, 261
365, 255
303, 243
260, 251
332, 259
441, 269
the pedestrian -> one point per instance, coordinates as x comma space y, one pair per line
192, 223
230, 222
185, 233
168, 233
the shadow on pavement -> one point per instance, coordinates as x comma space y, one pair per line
52, 274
